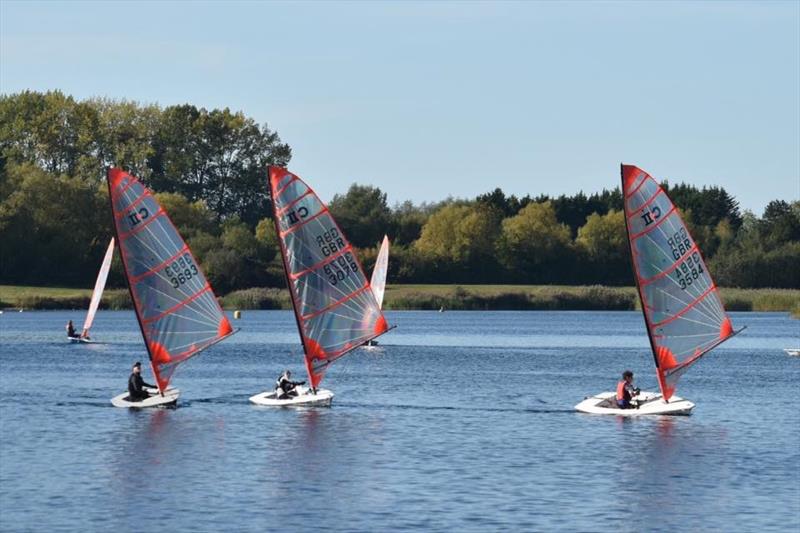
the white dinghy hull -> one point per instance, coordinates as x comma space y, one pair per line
170, 398
792, 351
649, 403
305, 398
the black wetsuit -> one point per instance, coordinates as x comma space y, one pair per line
71, 332
136, 385
285, 387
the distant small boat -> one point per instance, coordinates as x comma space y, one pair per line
792, 351
378, 281
97, 294
683, 312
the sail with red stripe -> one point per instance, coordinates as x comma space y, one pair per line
177, 310
682, 308
99, 287
378, 280
335, 309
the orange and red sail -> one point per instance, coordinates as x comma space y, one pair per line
335, 309
177, 310
682, 308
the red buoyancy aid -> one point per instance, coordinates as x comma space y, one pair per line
621, 390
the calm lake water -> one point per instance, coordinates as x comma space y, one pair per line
459, 421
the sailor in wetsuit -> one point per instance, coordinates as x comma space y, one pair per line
71, 330
626, 391
136, 385
285, 387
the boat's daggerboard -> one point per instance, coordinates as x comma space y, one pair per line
682, 308
335, 309
177, 310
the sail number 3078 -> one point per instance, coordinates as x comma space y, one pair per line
341, 268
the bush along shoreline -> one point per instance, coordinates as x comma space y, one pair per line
433, 298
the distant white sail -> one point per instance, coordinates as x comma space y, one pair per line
99, 286
378, 281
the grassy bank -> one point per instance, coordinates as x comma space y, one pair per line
25, 297
425, 297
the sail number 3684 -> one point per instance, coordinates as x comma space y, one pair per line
689, 270
181, 270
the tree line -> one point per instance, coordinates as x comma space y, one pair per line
208, 169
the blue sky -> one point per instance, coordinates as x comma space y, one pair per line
427, 100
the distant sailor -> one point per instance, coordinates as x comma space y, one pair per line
71, 330
136, 385
626, 391
285, 387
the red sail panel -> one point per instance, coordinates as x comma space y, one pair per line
378, 280
177, 311
335, 309
99, 287
682, 308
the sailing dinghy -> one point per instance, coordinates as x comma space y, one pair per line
335, 309
378, 280
97, 294
178, 313
682, 308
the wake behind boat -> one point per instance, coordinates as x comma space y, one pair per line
683, 312
178, 314
334, 308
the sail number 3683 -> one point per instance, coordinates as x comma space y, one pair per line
181, 270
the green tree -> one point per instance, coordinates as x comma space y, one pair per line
460, 240
53, 229
362, 214
217, 156
535, 247
189, 218
605, 245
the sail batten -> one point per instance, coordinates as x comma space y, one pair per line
681, 306
176, 308
334, 308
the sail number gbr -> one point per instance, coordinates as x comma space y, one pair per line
181, 270
679, 243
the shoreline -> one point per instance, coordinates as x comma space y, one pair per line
422, 298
